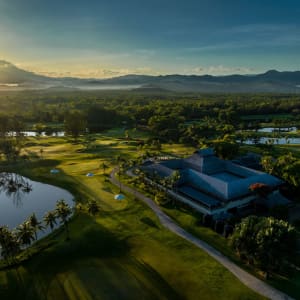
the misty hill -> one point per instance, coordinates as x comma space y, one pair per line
270, 82
10, 74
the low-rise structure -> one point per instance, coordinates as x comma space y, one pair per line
209, 184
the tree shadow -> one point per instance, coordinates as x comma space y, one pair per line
166, 291
88, 240
149, 222
108, 189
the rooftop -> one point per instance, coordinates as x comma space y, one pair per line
211, 179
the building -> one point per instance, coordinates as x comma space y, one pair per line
209, 184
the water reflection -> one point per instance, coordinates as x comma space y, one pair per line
20, 197
14, 186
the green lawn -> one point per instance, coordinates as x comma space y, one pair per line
277, 150
188, 220
122, 253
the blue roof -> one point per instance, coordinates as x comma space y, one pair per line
220, 179
198, 196
205, 152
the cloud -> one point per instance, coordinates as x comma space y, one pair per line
96, 72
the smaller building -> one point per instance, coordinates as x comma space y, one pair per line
209, 184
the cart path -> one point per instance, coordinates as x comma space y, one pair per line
246, 278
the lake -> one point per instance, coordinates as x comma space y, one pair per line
20, 197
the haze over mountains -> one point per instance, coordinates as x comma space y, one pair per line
14, 78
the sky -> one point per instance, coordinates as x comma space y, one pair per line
100, 38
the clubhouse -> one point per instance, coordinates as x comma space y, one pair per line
212, 185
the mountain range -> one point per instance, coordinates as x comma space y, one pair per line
14, 78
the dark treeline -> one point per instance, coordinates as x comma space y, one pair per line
168, 116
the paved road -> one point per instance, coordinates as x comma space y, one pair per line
249, 280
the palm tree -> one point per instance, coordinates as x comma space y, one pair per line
104, 166
14, 246
63, 212
5, 236
35, 224
50, 219
11, 247
175, 177
4, 231
93, 207
26, 233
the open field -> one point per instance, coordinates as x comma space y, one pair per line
123, 252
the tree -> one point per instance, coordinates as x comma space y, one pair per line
26, 233
41, 152
17, 126
261, 189
244, 238
35, 224
161, 198
175, 177
5, 235
225, 148
4, 125
291, 173
104, 167
13, 247
285, 166
93, 207
156, 145
9, 243
283, 162
119, 160
100, 118
276, 242
63, 212
75, 124
50, 219
39, 128
268, 164
10, 148
141, 176
265, 242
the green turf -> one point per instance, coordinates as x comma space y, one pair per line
190, 222
122, 253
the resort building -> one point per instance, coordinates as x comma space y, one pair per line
209, 184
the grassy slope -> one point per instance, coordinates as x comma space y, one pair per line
123, 253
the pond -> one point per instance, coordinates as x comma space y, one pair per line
20, 197
35, 133
277, 129
275, 141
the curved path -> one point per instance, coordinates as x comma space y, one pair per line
249, 280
